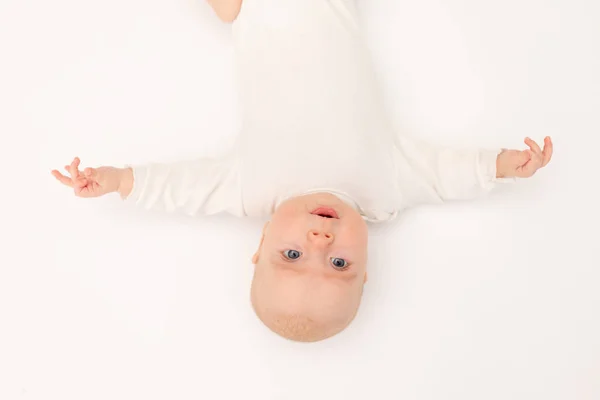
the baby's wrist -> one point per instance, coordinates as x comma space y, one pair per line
501, 168
125, 182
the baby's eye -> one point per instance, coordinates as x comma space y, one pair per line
339, 263
292, 254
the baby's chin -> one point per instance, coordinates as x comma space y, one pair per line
308, 203
326, 200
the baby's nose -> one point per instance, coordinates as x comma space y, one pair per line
324, 238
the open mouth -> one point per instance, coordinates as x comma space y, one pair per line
325, 212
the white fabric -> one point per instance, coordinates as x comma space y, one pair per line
313, 120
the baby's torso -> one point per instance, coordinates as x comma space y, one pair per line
312, 114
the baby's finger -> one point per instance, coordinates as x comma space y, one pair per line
80, 182
533, 146
62, 179
73, 169
533, 165
548, 149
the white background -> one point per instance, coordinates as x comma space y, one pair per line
493, 299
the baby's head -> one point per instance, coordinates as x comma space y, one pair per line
310, 268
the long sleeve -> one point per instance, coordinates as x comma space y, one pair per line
434, 174
201, 187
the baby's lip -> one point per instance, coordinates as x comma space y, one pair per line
325, 212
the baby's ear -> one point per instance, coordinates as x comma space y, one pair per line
256, 255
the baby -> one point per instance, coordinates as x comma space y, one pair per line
318, 155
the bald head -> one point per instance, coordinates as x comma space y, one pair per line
295, 313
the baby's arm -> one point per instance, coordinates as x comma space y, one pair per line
226, 10
430, 173
201, 187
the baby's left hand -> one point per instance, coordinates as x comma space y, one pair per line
523, 164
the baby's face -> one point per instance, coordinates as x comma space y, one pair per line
311, 267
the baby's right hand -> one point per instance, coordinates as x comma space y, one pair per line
95, 182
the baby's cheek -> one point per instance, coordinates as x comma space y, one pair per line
358, 232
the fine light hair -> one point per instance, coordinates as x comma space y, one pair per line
296, 327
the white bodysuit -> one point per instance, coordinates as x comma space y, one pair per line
312, 121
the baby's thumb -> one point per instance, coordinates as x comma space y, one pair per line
91, 173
